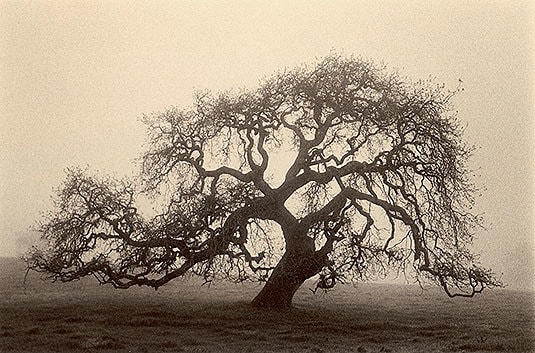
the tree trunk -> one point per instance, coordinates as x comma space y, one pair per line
289, 274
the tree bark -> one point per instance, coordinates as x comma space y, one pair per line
289, 274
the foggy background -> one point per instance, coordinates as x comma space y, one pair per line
75, 78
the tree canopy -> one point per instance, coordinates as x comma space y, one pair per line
339, 170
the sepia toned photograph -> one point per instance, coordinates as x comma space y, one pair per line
253, 176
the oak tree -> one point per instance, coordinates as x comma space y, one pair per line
339, 170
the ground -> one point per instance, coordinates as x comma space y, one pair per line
187, 317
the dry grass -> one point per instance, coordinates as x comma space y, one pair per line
185, 317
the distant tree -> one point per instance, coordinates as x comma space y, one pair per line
338, 170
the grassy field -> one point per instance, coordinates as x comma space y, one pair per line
185, 317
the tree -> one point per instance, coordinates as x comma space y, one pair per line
376, 180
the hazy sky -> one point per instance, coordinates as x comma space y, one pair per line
76, 76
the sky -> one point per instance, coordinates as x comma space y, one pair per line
76, 77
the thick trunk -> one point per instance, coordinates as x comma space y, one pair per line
290, 273
278, 292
